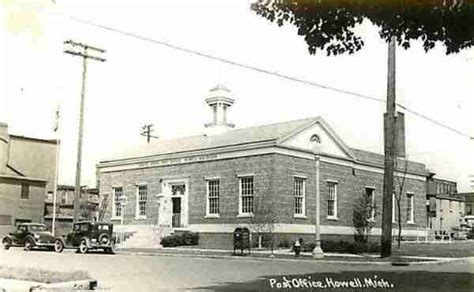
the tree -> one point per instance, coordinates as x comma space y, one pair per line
363, 214
263, 220
328, 25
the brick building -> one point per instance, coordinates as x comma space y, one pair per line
26, 174
211, 183
445, 208
89, 202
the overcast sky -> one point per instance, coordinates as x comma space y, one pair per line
142, 82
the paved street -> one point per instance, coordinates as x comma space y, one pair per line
157, 273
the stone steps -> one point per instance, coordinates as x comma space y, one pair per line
143, 236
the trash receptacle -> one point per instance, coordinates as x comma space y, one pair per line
241, 239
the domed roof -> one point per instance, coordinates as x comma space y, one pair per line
220, 86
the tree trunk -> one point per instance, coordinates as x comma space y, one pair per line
389, 149
259, 240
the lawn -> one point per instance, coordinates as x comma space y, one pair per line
452, 249
42, 276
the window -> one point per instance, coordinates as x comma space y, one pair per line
450, 206
315, 138
469, 209
299, 187
370, 193
246, 195
332, 199
64, 198
394, 208
118, 193
49, 196
141, 200
25, 191
410, 213
212, 197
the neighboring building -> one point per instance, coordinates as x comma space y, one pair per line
445, 208
468, 202
89, 202
211, 183
26, 174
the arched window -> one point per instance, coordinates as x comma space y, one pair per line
315, 138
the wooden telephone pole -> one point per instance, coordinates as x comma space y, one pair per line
389, 147
147, 129
81, 50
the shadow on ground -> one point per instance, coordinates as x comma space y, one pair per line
360, 281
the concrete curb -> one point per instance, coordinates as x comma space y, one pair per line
89, 284
230, 257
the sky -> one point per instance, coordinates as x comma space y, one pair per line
143, 82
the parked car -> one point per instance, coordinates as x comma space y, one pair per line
88, 235
29, 235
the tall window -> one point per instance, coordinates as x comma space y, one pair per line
370, 193
246, 195
299, 186
25, 191
213, 197
141, 200
118, 193
410, 213
332, 199
394, 208
64, 198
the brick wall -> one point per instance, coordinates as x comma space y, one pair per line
226, 170
23, 209
273, 181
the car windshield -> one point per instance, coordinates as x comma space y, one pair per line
36, 228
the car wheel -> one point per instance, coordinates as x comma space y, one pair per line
83, 246
29, 244
7, 243
104, 239
58, 246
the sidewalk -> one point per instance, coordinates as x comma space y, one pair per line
286, 255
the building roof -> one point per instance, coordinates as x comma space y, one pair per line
264, 133
52, 141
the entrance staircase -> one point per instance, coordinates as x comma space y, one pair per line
143, 236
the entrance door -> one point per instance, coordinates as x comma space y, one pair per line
176, 219
174, 203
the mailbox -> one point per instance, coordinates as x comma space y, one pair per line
241, 239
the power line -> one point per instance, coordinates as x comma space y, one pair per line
265, 71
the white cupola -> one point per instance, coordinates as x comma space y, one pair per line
219, 100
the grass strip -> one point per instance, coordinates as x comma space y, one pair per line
40, 275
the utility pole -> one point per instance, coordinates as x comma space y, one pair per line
83, 51
389, 149
147, 129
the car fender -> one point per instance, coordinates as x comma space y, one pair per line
8, 237
59, 238
88, 242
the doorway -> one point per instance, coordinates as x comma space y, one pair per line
176, 215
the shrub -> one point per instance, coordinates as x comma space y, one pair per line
285, 243
187, 238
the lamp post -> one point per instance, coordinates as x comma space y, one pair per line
317, 251
158, 229
123, 202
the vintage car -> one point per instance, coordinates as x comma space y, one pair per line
88, 235
30, 235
